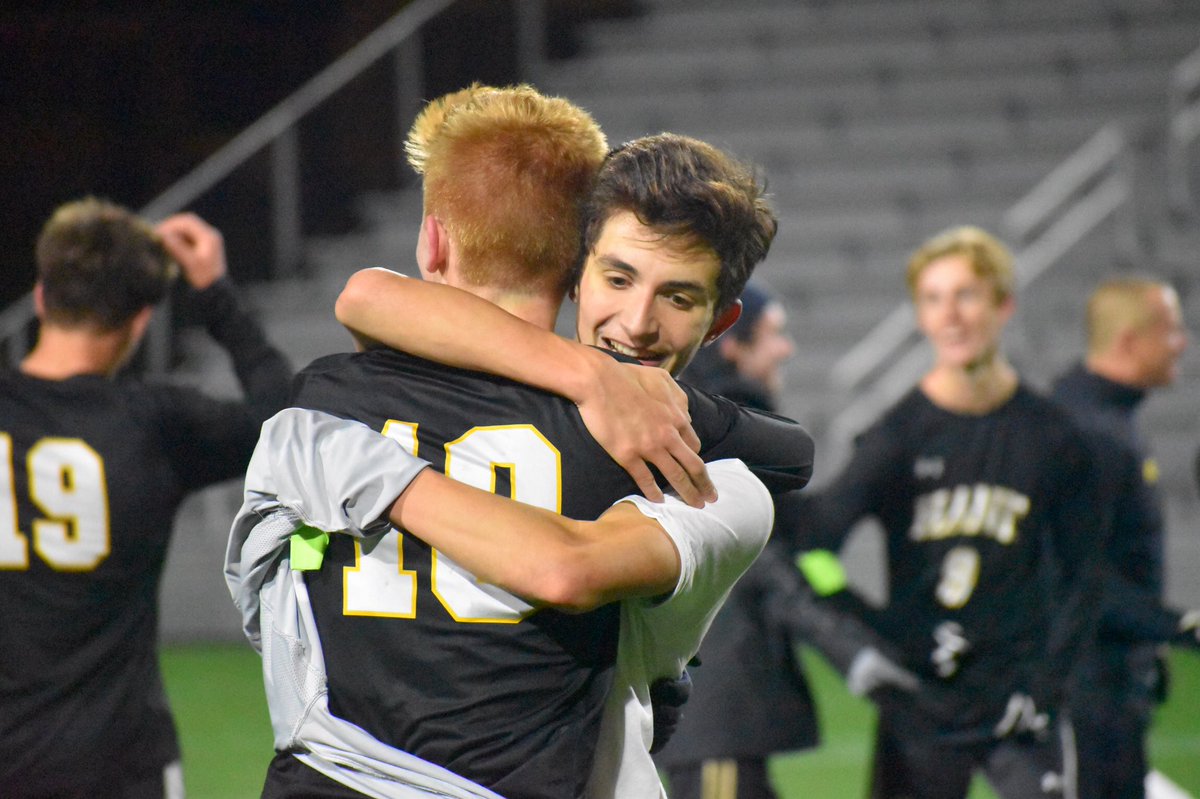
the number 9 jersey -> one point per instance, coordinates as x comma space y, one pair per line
991, 526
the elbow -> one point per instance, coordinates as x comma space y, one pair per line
357, 295
567, 583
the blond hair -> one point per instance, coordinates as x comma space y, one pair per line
988, 257
505, 171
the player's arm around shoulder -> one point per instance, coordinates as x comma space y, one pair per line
537, 554
637, 548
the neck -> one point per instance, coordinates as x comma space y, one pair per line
1113, 368
538, 310
62, 353
977, 388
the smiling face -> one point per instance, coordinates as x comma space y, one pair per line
646, 296
959, 312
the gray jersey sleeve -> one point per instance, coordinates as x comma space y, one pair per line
309, 468
336, 474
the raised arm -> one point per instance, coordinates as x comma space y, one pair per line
262, 369
637, 413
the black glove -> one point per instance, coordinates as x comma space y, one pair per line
667, 697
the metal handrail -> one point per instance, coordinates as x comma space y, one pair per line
1183, 129
276, 129
1072, 200
284, 116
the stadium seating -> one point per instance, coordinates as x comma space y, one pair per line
877, 123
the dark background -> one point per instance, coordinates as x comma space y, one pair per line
120, 99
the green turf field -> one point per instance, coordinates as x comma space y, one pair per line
216, 692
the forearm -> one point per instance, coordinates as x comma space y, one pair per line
262, 369
535, 553
457, 328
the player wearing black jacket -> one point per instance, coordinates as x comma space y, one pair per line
1135, 338
96, 466
986, 494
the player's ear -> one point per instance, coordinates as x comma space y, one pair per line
139, 322
723, 322
433, 247
39, 302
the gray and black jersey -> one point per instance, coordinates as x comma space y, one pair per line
464, 675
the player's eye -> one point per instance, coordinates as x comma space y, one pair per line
682, 302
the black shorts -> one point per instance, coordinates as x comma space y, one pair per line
720, 778
1021, 767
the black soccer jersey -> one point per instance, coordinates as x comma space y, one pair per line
461, 674
990, 522
92, 472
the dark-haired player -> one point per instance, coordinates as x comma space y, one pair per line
449, 678
986, 493
94, 466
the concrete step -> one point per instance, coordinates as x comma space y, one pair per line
1071, 50
711, 23
840, 102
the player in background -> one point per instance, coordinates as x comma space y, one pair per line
1135, 337
750, 699
987, 497
546, 705
95, 464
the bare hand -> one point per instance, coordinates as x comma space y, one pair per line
197, 246
639, 415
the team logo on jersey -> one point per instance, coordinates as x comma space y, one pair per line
969, 510
951, 644
1150, 471
929, 467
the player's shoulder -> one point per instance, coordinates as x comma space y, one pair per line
905, 419
1043, 410
1055, 430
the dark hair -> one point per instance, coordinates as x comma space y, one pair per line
690, 190
99, 265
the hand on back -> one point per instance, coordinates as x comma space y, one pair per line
639, 415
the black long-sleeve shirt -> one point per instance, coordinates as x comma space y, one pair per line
1133, 608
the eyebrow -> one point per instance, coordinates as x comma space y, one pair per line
611, 262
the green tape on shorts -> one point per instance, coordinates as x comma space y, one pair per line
823, 571
308, 545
